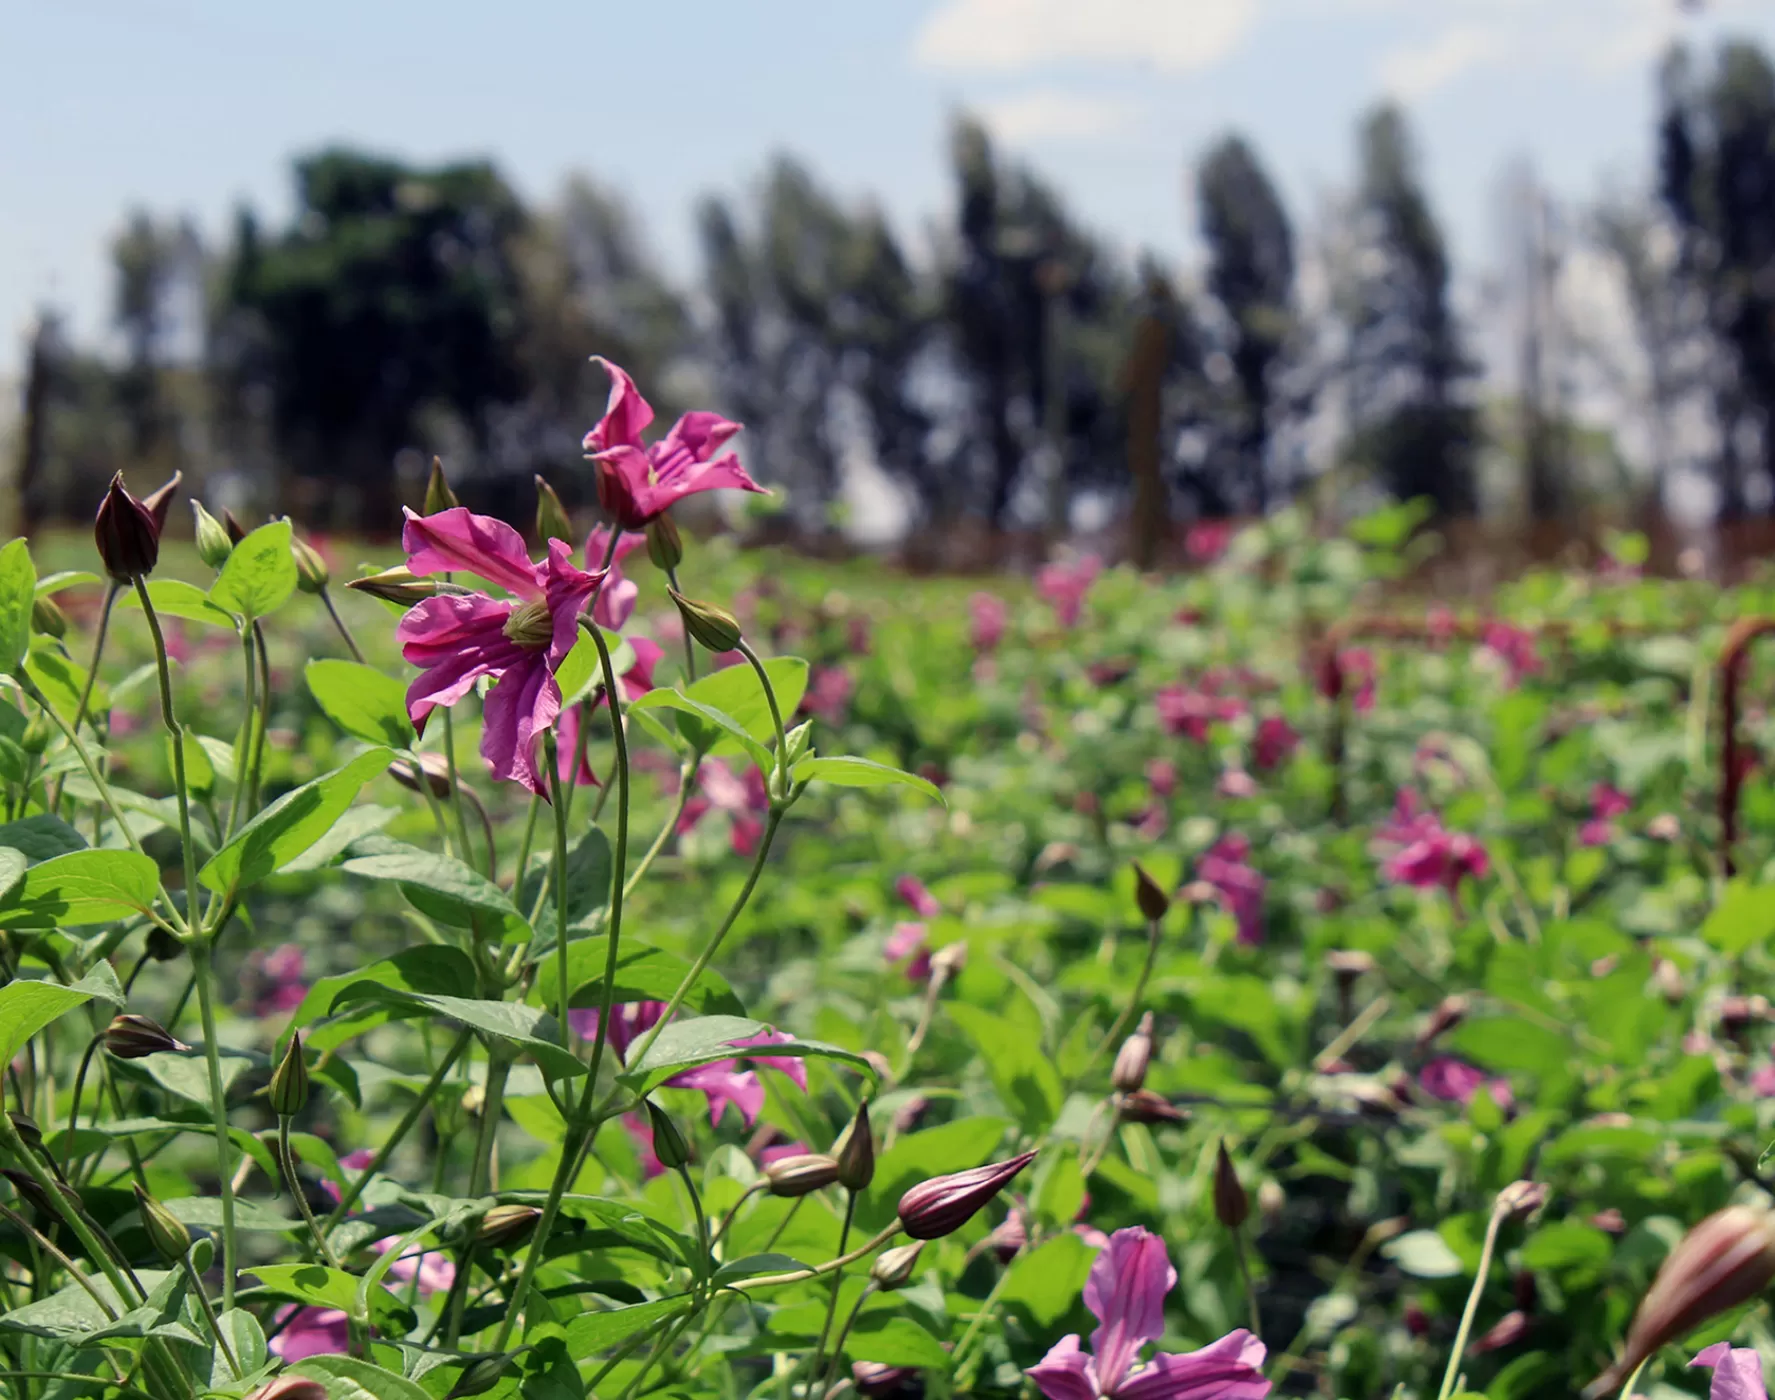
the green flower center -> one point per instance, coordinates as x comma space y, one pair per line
531, 626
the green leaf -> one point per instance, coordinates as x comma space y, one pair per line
588, 886
444, 971
1423, 1254
185, 1073
200, 773
206, 1211
735, 691
348, 1378
706, 723
899, 1342
321, 1287
849, 771
702, 1040
246, 1340
522, 1027
1567, 1244
1047, 1280
1744, 918
643, 973
362, 701
1026, 1081
175, 598
62, 682
1511, 1044
82, 887
582, 672
18, 589
441, 887
69, 1312
260, 574
290, 825
51, 584
41, 837
26, 1007
594, 1332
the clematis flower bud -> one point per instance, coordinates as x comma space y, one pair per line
480, 1375
802, 1174
160, 500
668, 1143
1150, 1107
30, 1191
396, 585
213, 544
551, 516
1725, 1260
47, 617
435, 768
231, 523
711, 627
166, 1232
288, 1387
131, 1037
1521, 1199
1133, 1058
1509, 1329
505, 1226
127, 533
855, 1151
289, 1081
438, 495
312, 574
1449, 1013
874, 1379
664, 545
1231, 1205
942, 1205
26, 1127
1152, 901
893, 1267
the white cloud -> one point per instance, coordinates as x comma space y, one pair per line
1418, 70
1175, 36
1051, 114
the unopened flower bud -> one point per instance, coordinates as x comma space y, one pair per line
438, 495
668, 1143
1271, 1198
1727, 1259
1133, 1058
289, 1387
711, 627
1521, 1199
31, 1191
664, 545
893, 1267
131, 1037
481, 1375
231, 523
312, 574
127, 534
1008, 1237
397, 585
160, 500
551, 516
506, 1226
166, 1232
875, 1379
38, 733
1150, 1107
1506, 1331
855, 1151
26, 1127
289, 1081
1152, 901
1231, 1205
433, 766
942, 1205
949, 959
802, 1174
1449, 1013
213, 544
47, 617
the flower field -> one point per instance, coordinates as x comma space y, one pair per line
1253, 982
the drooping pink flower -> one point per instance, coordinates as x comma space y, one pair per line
988, 615
1225, 866
1126, 1291
1737, 1372
637, 481
1066, 584
1456, 1081
828, 695
1275, 740
312, 1332
520, 641
1515, 647
1417, 850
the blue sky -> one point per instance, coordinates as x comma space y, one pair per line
194, 105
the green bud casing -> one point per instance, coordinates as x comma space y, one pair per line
712, 628
289, 1081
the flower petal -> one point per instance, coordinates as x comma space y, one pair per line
518, 709
698, 435
454, 640
567, 590
1065, 1373
626, 413
1737, 1372
458, 540
1230, 1369
724, 1082
1126, 1293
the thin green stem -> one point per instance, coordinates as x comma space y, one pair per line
212, 1056
1135, 997
686, 778
480, 1173
96, 1251
844, 1237
844, 1332
619, 875
244, 748
468, 851
209, 1313
563, 980
357, 652
776, 713
528, 840
92, 674
702, 1220
256, 770
1633, 1380
565, 1171
177, 738
1472, 1309
689, 642
1245, 1279
862, 1251
74, 1107
286, 1163
29, 686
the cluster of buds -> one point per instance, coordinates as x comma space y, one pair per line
127, 530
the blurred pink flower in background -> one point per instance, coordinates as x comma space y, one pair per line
744, 799
1606, 803
1065, 586
311, 1332
828, 695
1224, 865
988, 615
1161, 777
1275, 740
1206, 540
1235, 783
922, 902
283, 971
1187, 710
1456, 1081
1417, 850
722, 1083
1515, 647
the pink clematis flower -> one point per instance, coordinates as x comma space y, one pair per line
521, 641
988, 615
1606, 803
907, 941
1737, 1372
1225, 866
638, 481
1276, 739
285, 973
912, 889
1065, 585
1456, 1081
828, 694
743, 798
1126, 1292
1191, 710
1351, 675
312, 1332
1418, 850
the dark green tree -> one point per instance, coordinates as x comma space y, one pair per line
1413, 423
1251, 274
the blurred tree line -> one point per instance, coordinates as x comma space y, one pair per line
999, 370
